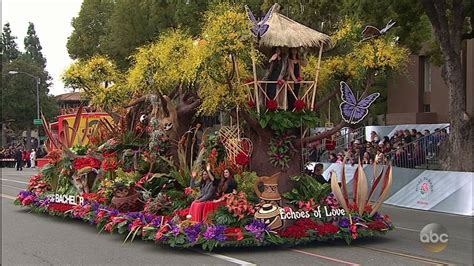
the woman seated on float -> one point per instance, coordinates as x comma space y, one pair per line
200, 208
207, 193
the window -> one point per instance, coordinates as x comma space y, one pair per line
426, 108
427, 74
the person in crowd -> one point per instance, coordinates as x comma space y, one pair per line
227, 183
27, 158
339, 158
413, 133
318, 173
19, 159
276, 71
33, 158
294, 70
332, 158
407, 136
366, 159
374, 137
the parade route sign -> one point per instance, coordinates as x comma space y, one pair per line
37, 122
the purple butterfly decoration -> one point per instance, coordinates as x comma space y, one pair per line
354, 111
260, 27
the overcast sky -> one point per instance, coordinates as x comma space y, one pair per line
52, 19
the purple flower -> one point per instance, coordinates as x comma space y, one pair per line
175, 230
193, 232
44, 202
257, 228
215, 232
156, 222
378, 217
344, 222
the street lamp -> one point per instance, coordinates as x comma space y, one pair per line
13, 72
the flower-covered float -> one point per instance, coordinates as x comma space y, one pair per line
158, 170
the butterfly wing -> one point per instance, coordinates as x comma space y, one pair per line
361, 109
255, 30
358, 114
367, 101
347, 95
268, 15
388, 26
263, 29
347, 111
250, 15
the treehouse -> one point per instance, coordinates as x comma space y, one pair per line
276, 30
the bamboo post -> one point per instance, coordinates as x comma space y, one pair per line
313, 98
255, 85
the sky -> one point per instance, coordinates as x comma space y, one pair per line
52, 19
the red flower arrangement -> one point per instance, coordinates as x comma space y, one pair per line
353, 207
299, 229
251, 104
234, 233
281, 82
307, 205
300, 105
87, 161
272, 105
299, 79
60, 207
28, 200
238, 205
54, 156
37, 185
325, 229
109, 163
182, 213
377, 225
93, 197
242, 159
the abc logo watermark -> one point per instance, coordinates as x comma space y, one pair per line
434, 237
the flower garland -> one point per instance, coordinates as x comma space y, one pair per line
280, 150
186, 233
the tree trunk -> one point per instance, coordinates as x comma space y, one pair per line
460, 148
459, 151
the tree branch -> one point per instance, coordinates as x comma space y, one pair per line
326, 99
299, 143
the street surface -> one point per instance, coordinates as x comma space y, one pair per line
31, 239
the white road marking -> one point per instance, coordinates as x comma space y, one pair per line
16, 181
417, 231
426, 211
226, 258
324, 257
8, 197
3, 185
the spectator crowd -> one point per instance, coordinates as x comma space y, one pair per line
406, 148
19, 157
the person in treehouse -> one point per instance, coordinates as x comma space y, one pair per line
276, 71
294, 72
206, 194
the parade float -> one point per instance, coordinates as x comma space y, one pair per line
136, 172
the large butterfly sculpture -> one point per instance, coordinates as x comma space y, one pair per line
371, 32
352, 110
260, 27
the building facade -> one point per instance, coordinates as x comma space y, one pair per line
419, 94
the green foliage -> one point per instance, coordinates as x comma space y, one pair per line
280, 150
89, 28
9, 47
282, 121
163, 64
246, 182
33, 47
306, 188
79, 149
222, 216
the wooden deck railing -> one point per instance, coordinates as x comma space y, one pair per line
257, 92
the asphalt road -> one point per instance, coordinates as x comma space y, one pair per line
32, 239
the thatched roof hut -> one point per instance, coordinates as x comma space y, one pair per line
286, 32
